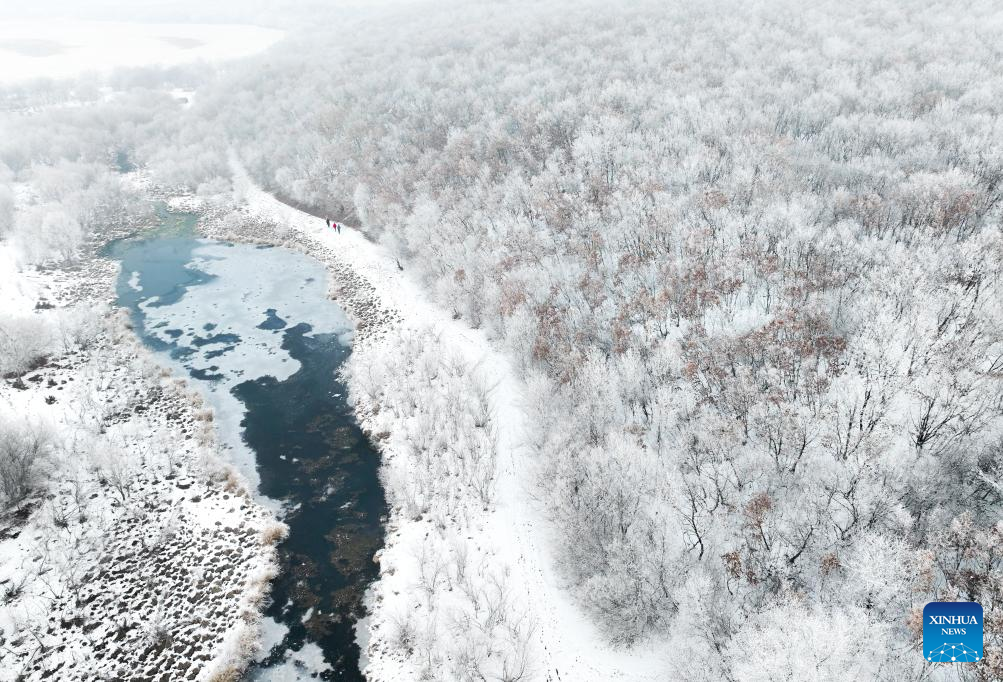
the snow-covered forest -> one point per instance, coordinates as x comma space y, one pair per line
736, 271
748, 256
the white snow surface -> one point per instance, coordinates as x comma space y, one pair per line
569, 647
134, 281
64, 49
306, 664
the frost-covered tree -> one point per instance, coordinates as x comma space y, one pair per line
25, 450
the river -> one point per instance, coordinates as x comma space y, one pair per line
252, 327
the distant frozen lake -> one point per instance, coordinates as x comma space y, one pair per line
62, 49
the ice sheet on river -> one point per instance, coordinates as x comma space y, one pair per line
225, 329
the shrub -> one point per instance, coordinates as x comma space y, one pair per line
24, 451
23, 342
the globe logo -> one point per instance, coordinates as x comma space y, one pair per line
948, 653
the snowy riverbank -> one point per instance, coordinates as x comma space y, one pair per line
146, 557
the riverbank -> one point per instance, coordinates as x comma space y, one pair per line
146, 557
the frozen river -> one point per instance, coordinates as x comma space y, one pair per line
64, 49
253, 328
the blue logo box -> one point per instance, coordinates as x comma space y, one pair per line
952, 632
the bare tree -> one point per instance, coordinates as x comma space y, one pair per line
24, 451
23, 340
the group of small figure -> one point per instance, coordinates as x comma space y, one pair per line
336, 226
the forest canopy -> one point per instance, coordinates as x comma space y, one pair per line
748, 256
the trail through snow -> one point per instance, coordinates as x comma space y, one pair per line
573, 649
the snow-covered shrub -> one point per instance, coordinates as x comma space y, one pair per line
48, 231
440, 471
78, 326
24, 340
274, 533
26, 450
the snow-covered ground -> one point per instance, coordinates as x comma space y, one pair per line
63, 49
146, 554
513, 534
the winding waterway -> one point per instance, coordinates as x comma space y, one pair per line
254, 329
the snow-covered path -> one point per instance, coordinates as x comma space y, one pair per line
572, 649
